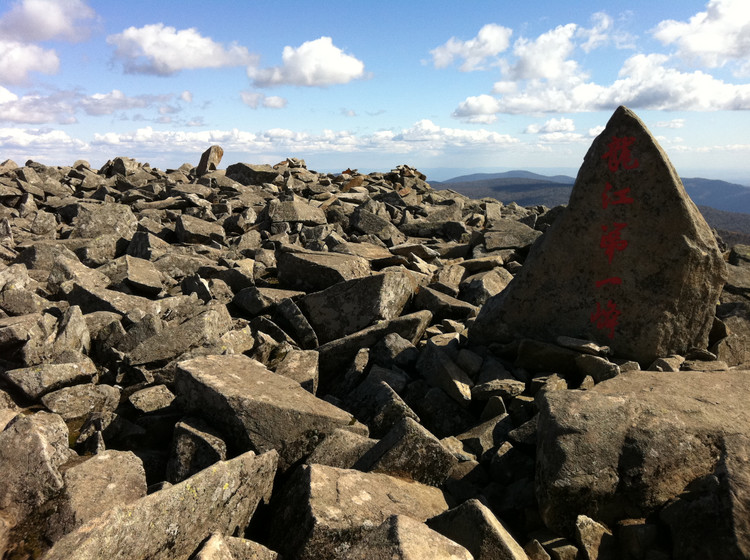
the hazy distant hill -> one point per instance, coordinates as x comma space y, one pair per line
726, 206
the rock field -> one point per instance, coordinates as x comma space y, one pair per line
266, 362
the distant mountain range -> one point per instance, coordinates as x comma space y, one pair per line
725, 206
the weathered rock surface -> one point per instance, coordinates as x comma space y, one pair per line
161, 323
588, 277
221, 499
663, 436
259, 409
333, 507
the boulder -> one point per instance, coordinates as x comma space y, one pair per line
210, 160
313, 272
666, 434
257, 408
170, 524
331, 508
351, 306
630, 262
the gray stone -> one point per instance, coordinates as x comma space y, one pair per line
376, 404
151, 399
289, 317
443, 306
210, 160
336, 355
95, 220
249, 174
106, 480
302, 367
174, 340
256, 300
474, 526
351, 306
484, 437
222, 547
190, 229
641, 276
477, 289
594, 540
78, 402
171, 523
295, 211
313, 272
662, 435
441, 371
409, 450
142, 276
402, 538
41, 379
341, 449
257, 408
332, 507
195, 446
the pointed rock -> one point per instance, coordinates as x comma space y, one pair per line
210, 160
629, 263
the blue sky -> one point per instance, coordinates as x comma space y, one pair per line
443, 86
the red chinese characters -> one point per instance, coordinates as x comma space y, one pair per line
618, 156
618, 153
605, 317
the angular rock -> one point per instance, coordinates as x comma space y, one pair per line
313, 272
104, 219
295, 211
475, 527
171, 523
190, 229
332, 507
256, 300
249, 174
210, 160
410, 451
336, 355
402, 538
195, 446
662, 435
219, 547
76, 403
142, 276
443, 306
302, 367
341, 449
630, 262
108, 479
41, 379
256, 408
351, 306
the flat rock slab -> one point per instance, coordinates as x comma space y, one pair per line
348, 307
331, 507
632, 443
313, 272
258, 409
170, 524
630, 262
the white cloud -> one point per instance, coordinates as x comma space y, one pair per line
274, 102
41, 144
546, 57
478, 109
552, 126
255, 99
115, 100
491, 40
42, 20
644, 82
714, 37
163, 50
348, 112
560, 137
674, 123
314, 63
18, 59
187, 96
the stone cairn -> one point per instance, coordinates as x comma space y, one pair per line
268, 362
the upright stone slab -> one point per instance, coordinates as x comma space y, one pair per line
630, 263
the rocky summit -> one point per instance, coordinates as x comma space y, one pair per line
264, 361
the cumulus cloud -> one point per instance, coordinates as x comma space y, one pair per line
187, 96
314, 63
42, 20
256, 99
18, 59
478, 109
491, 40
162, 50
552, 126
546, 57
714, 37
644, 82
115, 100
41, 144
